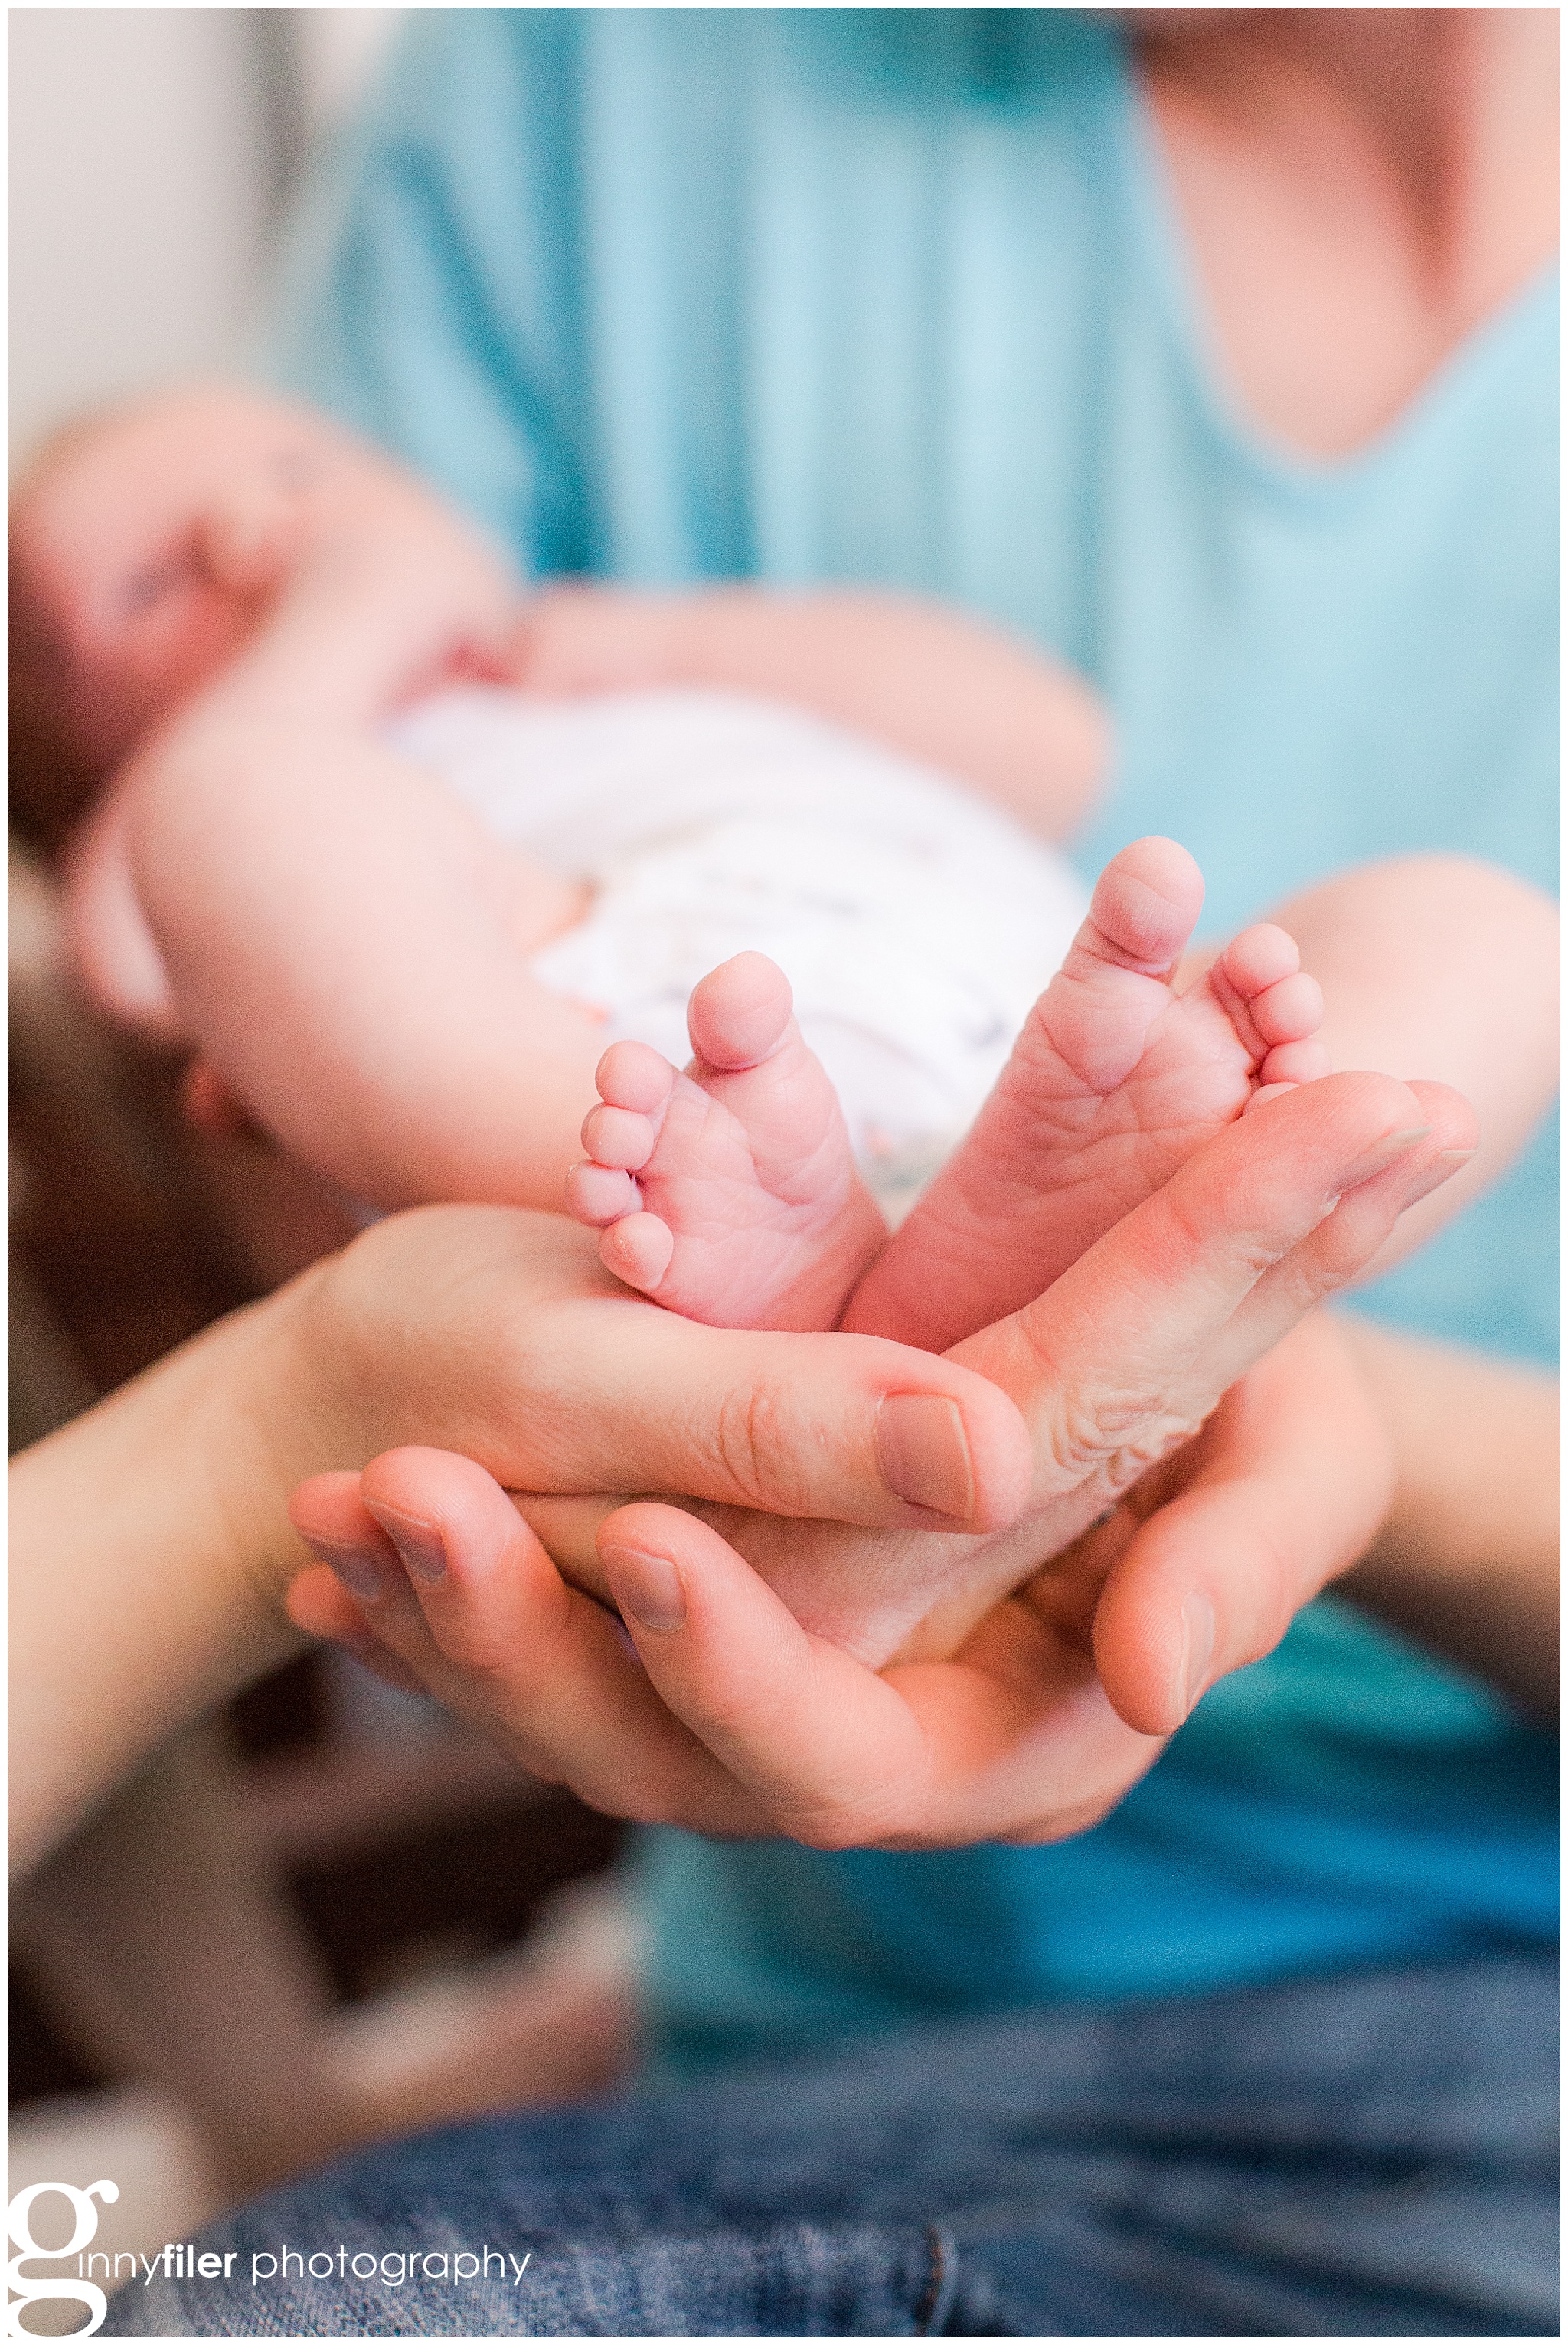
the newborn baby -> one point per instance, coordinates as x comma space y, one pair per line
402, 940
400, 892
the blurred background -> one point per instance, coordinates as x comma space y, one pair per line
152, 151
328, 1913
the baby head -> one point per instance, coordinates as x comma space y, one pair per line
144, 545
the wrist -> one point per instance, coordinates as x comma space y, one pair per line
237, 1409
148, 1559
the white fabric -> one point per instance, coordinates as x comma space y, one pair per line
916, 923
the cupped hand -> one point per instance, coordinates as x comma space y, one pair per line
1039, 1714
1120, 1364
732, 1718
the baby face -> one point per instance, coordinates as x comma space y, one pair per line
143, 548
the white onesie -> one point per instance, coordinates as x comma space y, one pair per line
916, 923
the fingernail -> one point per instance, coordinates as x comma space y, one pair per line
420, 1544
646, 1588
924, 1452
1197, 1648
1444, 1167
1379, 1158
362, 1574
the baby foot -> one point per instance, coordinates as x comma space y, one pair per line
1116, 1080
728, 1194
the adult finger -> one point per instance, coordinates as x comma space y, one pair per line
825, 1747
534, 1660
525, 1356
1352, 1241
1118, 1361
848, 1427
360, 1598
1285, 1488
927, 1755
318, 1602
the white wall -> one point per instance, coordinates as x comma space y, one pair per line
338, 49
145, 154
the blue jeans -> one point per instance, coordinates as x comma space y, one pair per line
1370, 2155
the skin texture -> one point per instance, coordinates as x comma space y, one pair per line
1015, 1737
730, 1193
265, 879
1466, 1558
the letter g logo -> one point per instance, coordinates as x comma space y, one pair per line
47, 2291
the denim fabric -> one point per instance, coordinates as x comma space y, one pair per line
1365, 2156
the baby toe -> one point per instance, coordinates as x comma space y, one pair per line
1296, 1063
1288, 1011
1147, 901
599, 1193
1259, 958
615, 1137
1267, 1091
738, 1013
638, 1251
634, 1075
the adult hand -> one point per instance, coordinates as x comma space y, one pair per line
734, 1720
499, 1331
1116, 1366
164, 1509
1048, 1709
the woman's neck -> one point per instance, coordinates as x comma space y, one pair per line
1362, 188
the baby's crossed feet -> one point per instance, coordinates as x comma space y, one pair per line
728, 1192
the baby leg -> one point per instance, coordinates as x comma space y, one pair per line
351, 953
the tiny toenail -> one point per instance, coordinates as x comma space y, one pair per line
361, 1573
646, 1588
418, 1544
924, 1451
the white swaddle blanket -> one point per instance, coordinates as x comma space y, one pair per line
916, 923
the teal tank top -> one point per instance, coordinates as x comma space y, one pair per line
903, 298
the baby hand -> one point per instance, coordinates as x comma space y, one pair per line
585, 639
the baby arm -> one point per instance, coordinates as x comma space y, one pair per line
352, 956
342, 942
945, 688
